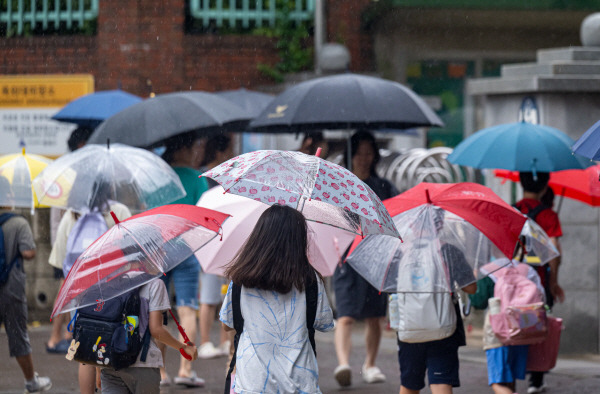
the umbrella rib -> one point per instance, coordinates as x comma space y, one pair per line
152, 260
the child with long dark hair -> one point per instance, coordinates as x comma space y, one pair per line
274, 354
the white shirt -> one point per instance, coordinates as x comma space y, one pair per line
274, 354
59, 248
155, 292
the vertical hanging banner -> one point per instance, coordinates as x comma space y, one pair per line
27, 102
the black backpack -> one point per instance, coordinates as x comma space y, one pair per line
5, 266
108, 333
312, 297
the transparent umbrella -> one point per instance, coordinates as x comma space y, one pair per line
133, 176
18, 171
448, 229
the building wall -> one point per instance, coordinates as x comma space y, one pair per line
137, 45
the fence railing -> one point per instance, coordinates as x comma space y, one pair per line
248, 13
15, 15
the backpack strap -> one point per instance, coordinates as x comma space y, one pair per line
534, 212
238, 325
312, 298
145, 345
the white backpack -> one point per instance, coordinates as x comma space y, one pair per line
422, 310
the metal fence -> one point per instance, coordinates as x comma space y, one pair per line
249, 13
20, 16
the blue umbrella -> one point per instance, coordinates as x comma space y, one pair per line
92, 109
518, 147
588, 145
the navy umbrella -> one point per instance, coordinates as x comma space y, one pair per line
346, 101
588, 145
153, 120
90, 110
251, 101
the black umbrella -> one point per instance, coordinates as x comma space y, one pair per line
153, 120
346, 101
252, 101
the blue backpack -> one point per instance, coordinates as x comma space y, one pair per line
5, 266
88, 228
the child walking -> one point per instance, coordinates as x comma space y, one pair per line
144, 377
505, 363
274, 354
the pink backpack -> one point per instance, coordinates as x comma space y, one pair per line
522, 317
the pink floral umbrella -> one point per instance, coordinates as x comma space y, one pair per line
323, 191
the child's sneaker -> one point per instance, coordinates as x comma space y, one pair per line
534, 389
225, 347
38, 384
372, 375
208, 350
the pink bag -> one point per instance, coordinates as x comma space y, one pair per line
522, 317
542, 356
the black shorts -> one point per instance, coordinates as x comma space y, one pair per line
355, 297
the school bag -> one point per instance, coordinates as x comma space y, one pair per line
312, 297
5, 266
522, 316
88, 228
422, 310
112, 333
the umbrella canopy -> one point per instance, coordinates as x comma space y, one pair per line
94, 174
92, 109
19, 170
538, 244
153, 120
346, 101
580, 185
323, 191
251, 101
588, 145
325, 247
449, 226
518, 147
135, 251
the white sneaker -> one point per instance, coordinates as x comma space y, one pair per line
224, 348
38, 384
534, 389
343, 375
208, 350
372, 375
192, 381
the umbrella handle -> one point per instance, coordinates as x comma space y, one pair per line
185, 338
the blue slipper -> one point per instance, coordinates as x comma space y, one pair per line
61, 347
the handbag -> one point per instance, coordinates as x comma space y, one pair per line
542, 356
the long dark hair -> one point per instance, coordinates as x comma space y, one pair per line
356, 139
274, 256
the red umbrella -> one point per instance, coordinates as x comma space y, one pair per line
466, 215
581, 185
135, 251
475, 203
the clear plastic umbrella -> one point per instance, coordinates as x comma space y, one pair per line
18, 170
449, 231
538, 245
135, 251
133, 176
323, 191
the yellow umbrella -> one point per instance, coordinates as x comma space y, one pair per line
19, 170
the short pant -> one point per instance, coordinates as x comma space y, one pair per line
185, 282
13, 313
137, 380
439, 359
506, 364
210, 288
355, 297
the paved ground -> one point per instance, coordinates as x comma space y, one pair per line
572, 375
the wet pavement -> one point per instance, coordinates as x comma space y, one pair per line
572, 375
